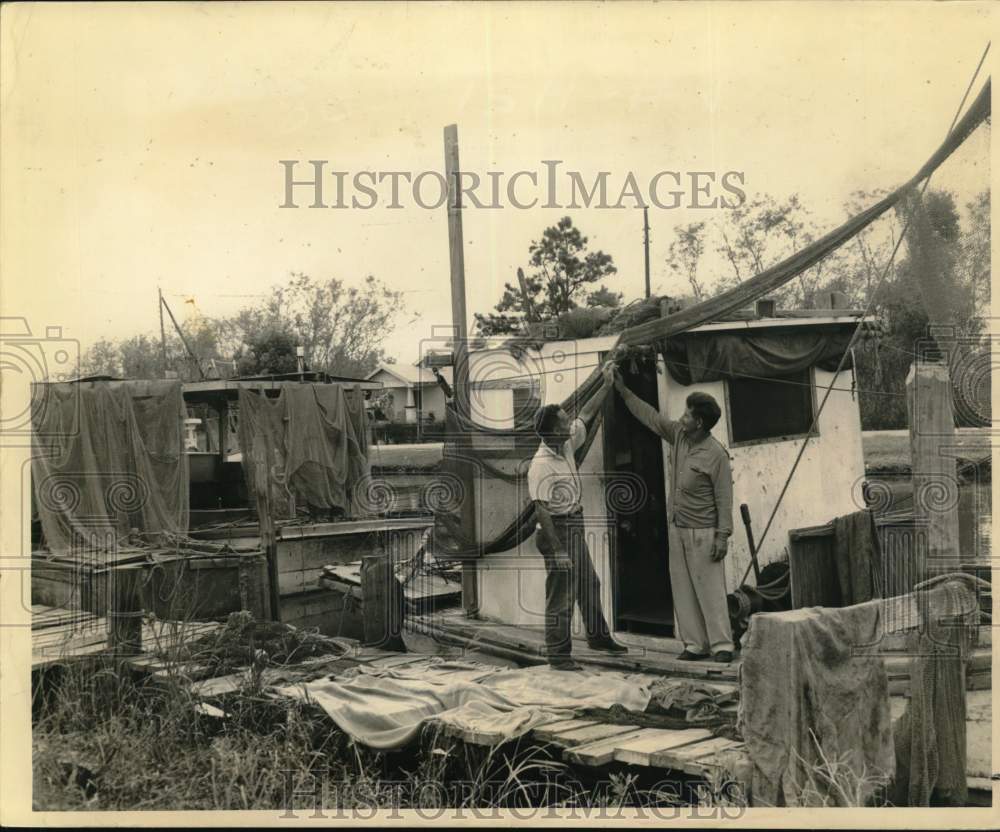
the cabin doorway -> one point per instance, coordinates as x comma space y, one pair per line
639, 573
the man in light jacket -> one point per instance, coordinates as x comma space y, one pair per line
699, 519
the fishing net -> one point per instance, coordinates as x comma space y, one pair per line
108, 457
930, 735
306, 446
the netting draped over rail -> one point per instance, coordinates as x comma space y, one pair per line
308, 443
108, 456
455, 523
455, 528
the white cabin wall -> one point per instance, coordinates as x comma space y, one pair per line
827, 482
512, 584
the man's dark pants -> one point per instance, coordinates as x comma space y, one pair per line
570, 578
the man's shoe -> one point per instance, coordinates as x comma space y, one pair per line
723, 656
688, 656
565, 664
608, 645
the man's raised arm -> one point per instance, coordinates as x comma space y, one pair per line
644, 412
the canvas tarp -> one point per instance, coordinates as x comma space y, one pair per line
692, 359
386, 708
308, 443
455, 530
807, 693
108, 457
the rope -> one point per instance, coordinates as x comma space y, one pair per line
858, 328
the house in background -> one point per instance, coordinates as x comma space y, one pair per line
416, 395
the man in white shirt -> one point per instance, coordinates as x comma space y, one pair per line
554, 485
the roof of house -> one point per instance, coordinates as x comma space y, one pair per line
410, 374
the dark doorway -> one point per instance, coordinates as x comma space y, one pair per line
639, 573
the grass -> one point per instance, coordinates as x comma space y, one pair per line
106, 738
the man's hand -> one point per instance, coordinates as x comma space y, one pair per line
720, 549
612, 375
608, 371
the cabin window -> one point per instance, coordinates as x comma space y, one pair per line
769, 410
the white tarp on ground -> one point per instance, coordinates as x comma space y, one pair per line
385, 708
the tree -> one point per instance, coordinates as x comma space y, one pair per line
561, 272
271, 352
684, 255
101, 359
933, 289
340, 328
764, 231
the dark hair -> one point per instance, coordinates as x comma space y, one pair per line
546, 419
705, 409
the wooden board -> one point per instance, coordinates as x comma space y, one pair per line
689, 758
592, 733
601, 752
529, 641
640, 751
549, 732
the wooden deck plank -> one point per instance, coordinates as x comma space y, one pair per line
688, 757
601, 752
530, 641
640, 751
551, 730
475, 737
591, 733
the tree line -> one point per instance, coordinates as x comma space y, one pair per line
341, 329
939, 281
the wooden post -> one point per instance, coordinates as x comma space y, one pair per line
382, 596
470, 584
935, 485
456, 253
125, 611
265, 525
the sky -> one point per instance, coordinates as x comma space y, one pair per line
141, 145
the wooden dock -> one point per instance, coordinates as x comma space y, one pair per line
525, 645
59, 636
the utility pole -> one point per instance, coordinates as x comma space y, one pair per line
645, 243
457, 259
460, 353
163, 333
